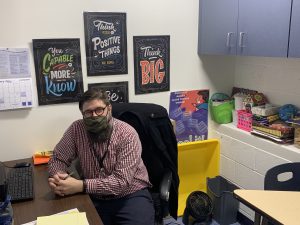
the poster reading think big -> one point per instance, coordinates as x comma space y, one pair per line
151, 64
58, 70
106, 43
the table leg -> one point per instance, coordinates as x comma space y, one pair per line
264, 221
257, 219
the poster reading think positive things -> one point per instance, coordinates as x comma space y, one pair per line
58, 70
106, 43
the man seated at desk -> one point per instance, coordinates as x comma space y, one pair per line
109, 152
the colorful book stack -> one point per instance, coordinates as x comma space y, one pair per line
272, 128
266, 123
42, 157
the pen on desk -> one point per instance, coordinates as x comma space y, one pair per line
70, 174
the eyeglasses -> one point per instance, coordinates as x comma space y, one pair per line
98, 111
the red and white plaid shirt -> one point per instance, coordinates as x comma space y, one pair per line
123, 170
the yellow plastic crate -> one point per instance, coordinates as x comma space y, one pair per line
196, 161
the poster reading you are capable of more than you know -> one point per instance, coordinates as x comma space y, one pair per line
58, 70
151, 64
106, 43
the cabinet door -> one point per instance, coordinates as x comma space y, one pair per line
263, 27
294, 47
217, 27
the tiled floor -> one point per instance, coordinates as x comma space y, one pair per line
171, 221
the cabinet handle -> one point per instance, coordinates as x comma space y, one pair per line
228, 39
241, 40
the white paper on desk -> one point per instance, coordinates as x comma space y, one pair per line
65, 219
75, 210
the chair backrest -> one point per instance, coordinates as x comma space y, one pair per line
272, 181
159, 143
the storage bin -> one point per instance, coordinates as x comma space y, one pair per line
221, 107
225, 205
244, 120
196, 161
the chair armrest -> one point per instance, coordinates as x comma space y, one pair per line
165, 185
75, 169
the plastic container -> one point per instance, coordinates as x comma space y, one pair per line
221, 106
238, 101
234, 117
265, 110
244, 121
225, 205
221, 112
196, 161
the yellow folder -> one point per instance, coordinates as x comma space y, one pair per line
64, 219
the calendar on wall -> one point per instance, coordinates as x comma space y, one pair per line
15, 93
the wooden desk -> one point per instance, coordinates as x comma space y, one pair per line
280, 207
47, 203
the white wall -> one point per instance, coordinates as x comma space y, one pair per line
277, 78
22, 132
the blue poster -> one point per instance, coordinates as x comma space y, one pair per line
189, 109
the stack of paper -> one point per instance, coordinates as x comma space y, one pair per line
46, 220
65, 219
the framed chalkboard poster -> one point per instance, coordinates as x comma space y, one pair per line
117, 91
151, 64
58, 70
106, 43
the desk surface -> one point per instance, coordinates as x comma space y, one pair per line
47, 203
281, 206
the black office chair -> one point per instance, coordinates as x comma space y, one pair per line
273, 182
159, 152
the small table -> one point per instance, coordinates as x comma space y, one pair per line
279, 207
46, 203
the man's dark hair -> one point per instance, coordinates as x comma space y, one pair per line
92, 94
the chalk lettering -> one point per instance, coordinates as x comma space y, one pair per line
49, 61
58, 89
148, 51
110, 51
98, 42
103, 25
151, 71
55, 51
112, 96
60, 74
